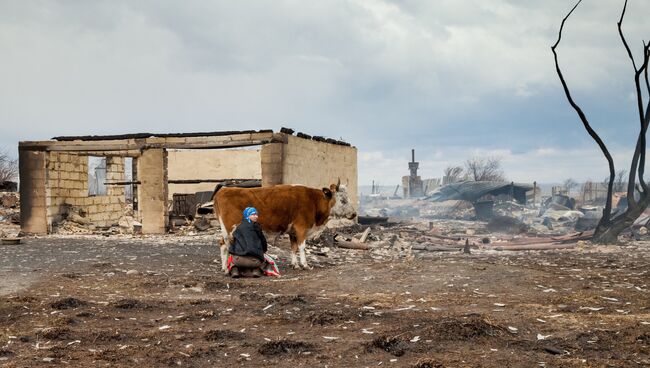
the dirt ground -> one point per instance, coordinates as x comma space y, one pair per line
162, 301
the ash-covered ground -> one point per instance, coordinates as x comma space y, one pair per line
155, 301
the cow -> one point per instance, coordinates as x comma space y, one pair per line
294, 209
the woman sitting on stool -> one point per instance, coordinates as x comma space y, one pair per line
248, 247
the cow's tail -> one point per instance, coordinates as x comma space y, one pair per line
216, 189
215, 206
223, 242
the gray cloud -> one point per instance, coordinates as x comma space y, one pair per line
384, 75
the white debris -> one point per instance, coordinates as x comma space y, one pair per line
405, 308
593, 308
610, 299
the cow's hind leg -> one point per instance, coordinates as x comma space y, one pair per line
303, 256
224, 257
225, 244
301, 238
294, 250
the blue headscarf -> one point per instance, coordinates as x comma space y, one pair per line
248, 212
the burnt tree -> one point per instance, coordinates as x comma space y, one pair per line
8, 167
484, 169
609, 228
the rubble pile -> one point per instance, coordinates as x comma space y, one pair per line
9, 214
75, 222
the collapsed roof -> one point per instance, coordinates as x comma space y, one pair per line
473, 190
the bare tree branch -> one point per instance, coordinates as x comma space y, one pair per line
8, 167
646, 120
646, 47
481, 169
639, 154
608, 205
620, 32
454, 173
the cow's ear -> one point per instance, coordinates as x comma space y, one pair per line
327, 192
334, 188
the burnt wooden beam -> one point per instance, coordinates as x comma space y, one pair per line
251, 182
199, 142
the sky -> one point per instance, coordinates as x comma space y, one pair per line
452, 79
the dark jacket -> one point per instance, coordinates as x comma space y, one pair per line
248, 240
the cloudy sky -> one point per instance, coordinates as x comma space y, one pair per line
453, 79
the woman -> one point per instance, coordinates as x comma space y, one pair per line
248, 247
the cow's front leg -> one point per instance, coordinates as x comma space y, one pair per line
294, 259
303, 256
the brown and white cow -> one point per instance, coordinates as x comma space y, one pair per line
294, 209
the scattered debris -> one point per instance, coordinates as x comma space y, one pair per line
282, 347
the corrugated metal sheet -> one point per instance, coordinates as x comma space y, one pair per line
473, 190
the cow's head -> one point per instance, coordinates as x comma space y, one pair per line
342, 208
330, 195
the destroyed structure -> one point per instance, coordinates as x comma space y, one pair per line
475, 192
412, 184
54, 174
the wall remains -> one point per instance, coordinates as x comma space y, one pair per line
54, 174
33, 208
210, 164
67, 186
271, 157
319, 164
152, 191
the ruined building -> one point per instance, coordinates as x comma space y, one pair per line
412, 184
54, 174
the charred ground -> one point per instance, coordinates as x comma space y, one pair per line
161, 301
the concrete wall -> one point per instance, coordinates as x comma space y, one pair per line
152, 191
319, 164
211, 164
271, 157
33, 210
67, 185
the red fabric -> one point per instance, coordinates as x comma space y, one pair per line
271, 268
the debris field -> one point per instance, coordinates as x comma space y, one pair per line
156, 301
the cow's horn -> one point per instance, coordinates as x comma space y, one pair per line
338, 183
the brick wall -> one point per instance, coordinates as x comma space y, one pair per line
319, 164
67, 184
